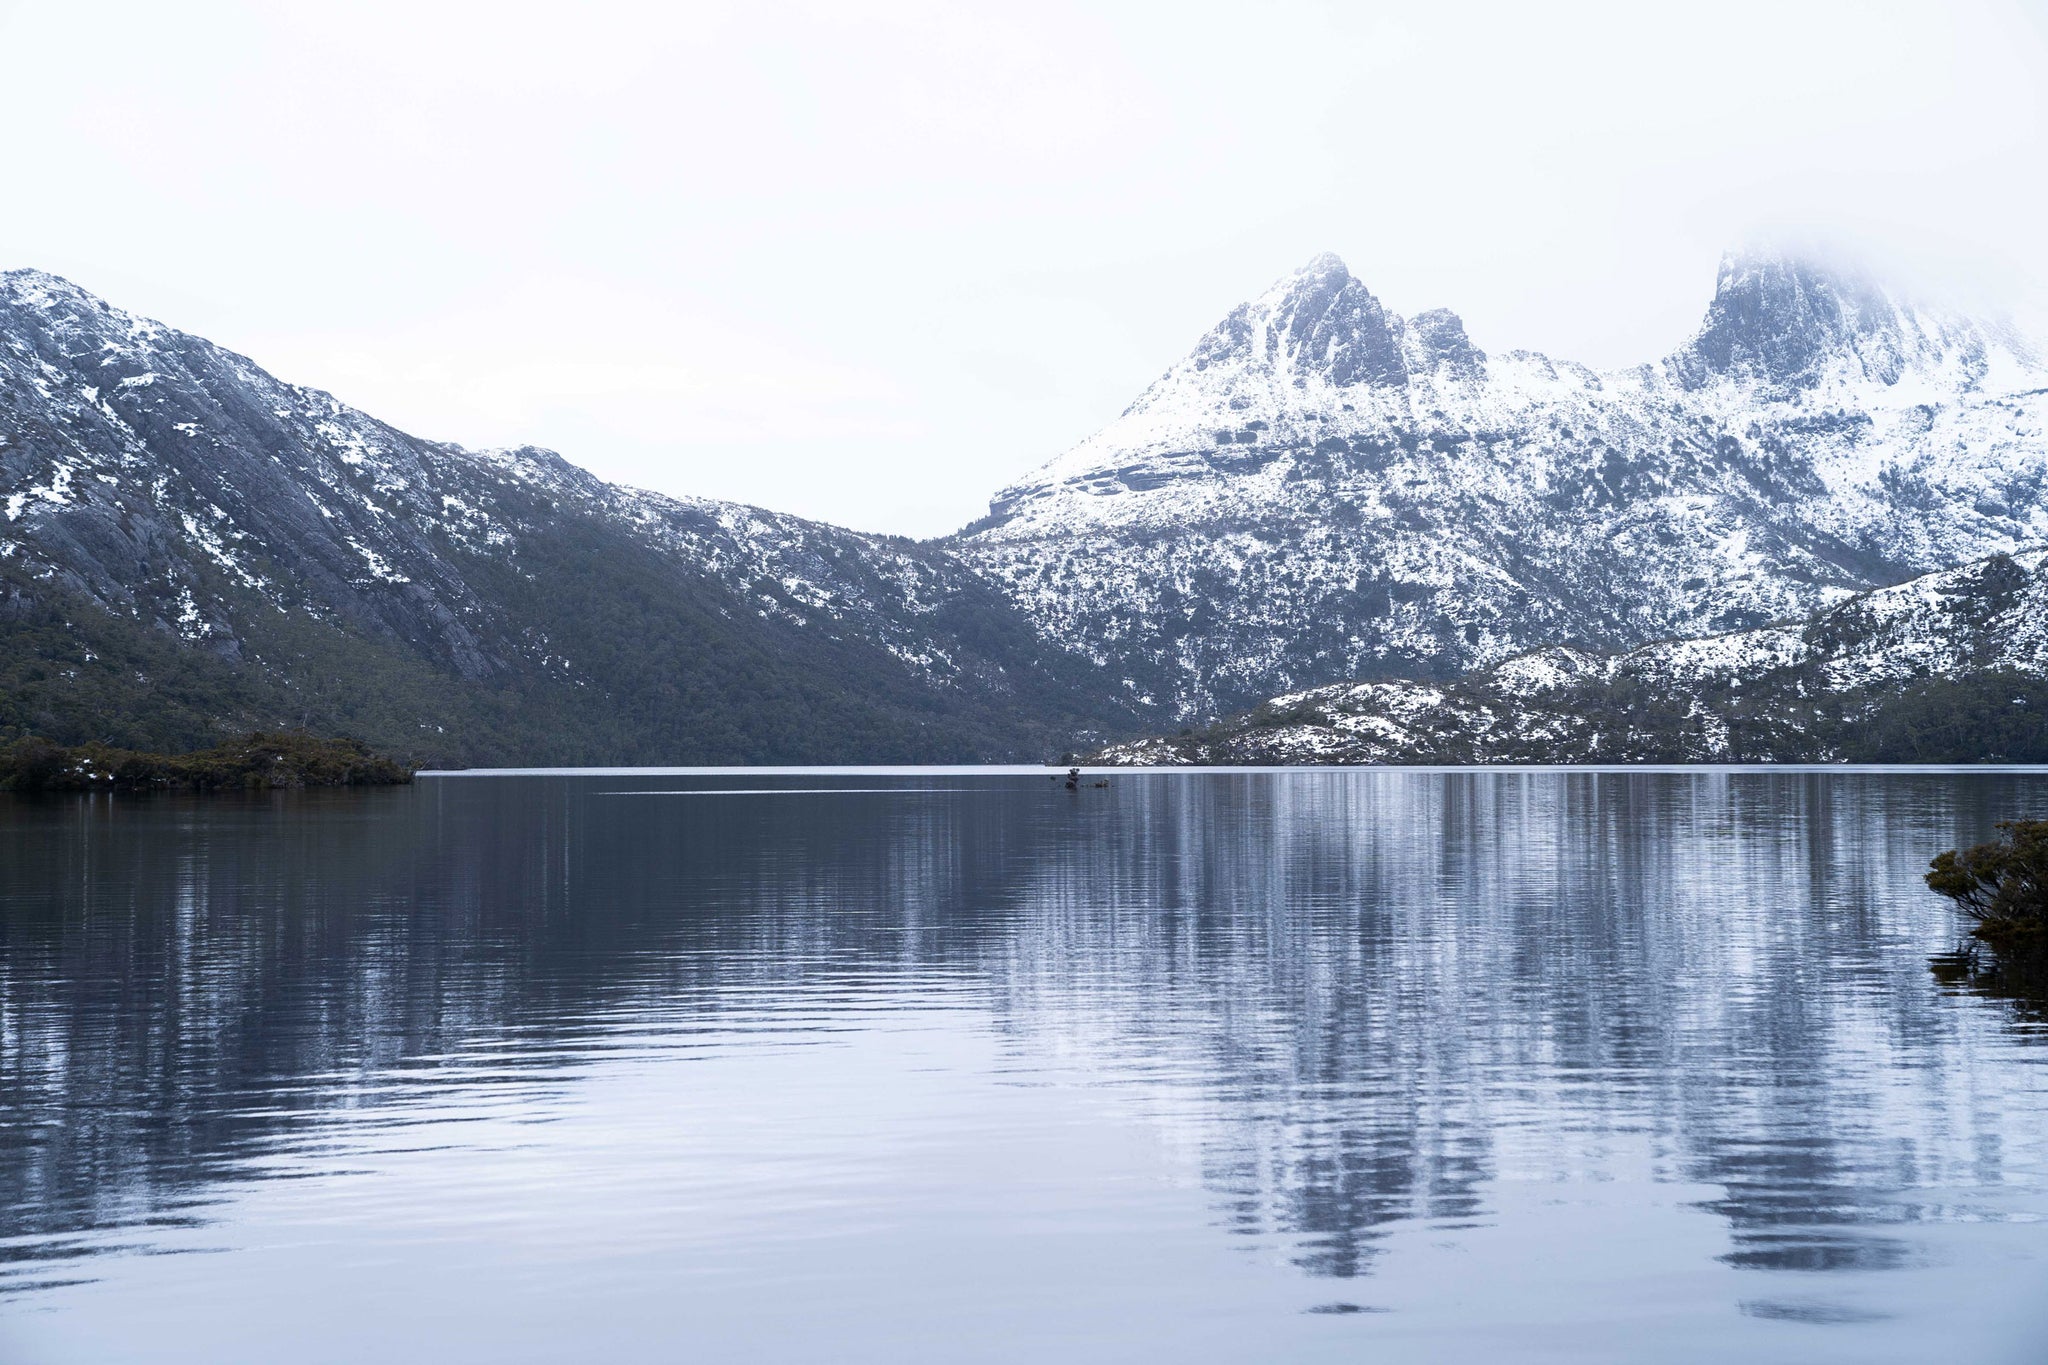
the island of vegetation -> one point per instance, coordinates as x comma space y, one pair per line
255, 761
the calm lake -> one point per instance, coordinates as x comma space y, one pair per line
960, 1066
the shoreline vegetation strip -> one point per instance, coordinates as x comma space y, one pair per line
258, 761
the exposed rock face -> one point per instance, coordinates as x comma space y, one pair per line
1324, 490
1782, 321
1817, 690
159, 493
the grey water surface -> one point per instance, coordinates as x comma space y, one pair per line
957, 1066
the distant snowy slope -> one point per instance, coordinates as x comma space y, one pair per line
189, 544
1973, 641
1323, 489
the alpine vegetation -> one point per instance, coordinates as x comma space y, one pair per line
1949, 667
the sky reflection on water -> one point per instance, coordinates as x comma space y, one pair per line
1413, 1066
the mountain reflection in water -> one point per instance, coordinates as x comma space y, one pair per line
1676, 1030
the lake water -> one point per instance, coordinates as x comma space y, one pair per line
959, 1066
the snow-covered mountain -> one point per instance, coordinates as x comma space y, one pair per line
189, 544
1949, 666
1323, 490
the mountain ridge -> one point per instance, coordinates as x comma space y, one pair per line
170, 505
1321, 489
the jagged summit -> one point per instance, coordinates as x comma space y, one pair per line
1782, 317
1321, 324
38, 288
1439, 343
49, 316
1799, 319
1318, 322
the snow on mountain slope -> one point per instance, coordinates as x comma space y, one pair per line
1812, 690
1323, 489
169, 484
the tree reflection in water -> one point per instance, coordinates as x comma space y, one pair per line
1358, 999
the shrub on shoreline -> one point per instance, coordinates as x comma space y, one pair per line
256, 761
2001, 886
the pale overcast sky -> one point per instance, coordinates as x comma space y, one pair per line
869, 262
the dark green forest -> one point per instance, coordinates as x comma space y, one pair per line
670, 669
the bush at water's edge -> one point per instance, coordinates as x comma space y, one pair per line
2001, 886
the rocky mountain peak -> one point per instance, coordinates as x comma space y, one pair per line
1327, 323
16, 282
1318, 322
1789, 319
49, 316
1437, 342
40, 291
1325, 263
